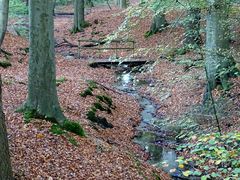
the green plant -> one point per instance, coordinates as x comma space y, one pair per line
105, 99
92, 84
87, 92
73, 127
60, 80
28, 114
91, 115
99, 106
57, 129
62, 2
73, 141
214, 156
5, 63
17, 7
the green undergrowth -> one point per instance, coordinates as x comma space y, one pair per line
5, 63
211, 156
60, 80
69, 126
89, 91
17, 7
56, 128
103, 103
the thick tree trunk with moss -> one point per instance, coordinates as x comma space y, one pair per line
79, 19
192, 28
5, 164
159, 23
218, 60
4, 4
42, 93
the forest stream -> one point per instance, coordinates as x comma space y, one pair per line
152, 138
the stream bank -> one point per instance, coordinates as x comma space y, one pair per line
158, 142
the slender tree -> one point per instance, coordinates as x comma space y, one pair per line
79, 19
42, 94
5, 164
4, 4
218, 60
123, 4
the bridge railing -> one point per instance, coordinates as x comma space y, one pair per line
117, 43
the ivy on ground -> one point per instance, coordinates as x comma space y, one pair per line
211, 156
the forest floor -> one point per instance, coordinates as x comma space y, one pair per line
36, 153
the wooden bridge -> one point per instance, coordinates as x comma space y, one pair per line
114, 45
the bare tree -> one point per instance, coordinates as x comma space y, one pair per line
5, 164
4, 6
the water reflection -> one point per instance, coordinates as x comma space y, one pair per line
148, 138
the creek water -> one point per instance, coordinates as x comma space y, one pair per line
152, 138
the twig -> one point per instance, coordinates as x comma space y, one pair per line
109, 5
213, 103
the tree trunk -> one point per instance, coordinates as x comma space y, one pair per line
54, 6
123, 4
79, 20
42, 93
159, 23
5, 164
4, 4
218, 59
192, 28
117, 2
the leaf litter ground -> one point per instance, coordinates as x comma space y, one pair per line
106, 153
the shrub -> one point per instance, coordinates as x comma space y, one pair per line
17, 7
105, 99
60, 81
87, 92
5, 63
215, 156
56, 129
73, 127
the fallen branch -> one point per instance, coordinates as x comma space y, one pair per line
66, 43
108, 88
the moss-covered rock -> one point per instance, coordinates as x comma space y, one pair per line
73, 127
87, 92
105, 99
91, 115
5, 63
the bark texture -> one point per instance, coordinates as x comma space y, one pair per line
218, 59
4, 6
42, 93
79, 19
123, 4
5, 164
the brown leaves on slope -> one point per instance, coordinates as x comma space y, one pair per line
38, 154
